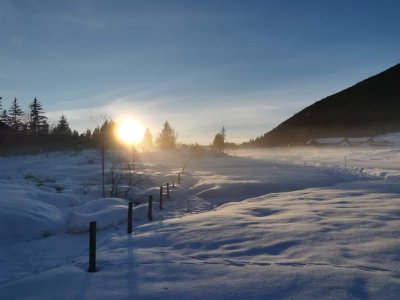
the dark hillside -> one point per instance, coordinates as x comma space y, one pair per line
368, 108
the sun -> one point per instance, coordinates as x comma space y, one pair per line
130, 132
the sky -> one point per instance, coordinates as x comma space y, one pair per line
201, 65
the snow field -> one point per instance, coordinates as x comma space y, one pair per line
291, 225
335, 242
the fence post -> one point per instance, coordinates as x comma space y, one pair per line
173, 184
168, 190
161, 197
92, 247
179, 178
150, 208
130, 218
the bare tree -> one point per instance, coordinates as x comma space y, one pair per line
101, 137
116, 162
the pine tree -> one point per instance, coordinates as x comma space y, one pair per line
167, 137
105, 133
15, 116
218, 143
220, 140
75, 134
88, 134
37, 121
147, 141
62, 127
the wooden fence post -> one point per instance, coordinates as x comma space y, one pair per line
161, 197
179, 178
92, 247
130, 218
150, 208
168, 190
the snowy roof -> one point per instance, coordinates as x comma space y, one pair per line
393, 137
359, 139
388, 138
333, 140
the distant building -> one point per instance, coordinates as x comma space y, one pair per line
360, 141
348, 142
379, 142
329, 142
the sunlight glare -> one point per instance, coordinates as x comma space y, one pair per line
130, 132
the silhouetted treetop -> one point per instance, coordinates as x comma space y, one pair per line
37, 119
15, 116
62, 127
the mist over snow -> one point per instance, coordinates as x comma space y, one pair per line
279, 223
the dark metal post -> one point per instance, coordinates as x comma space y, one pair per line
150, 208
161, 197
167, 190
92, 247
173, 184
179, 178
130, 218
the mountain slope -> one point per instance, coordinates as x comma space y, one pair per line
368, 108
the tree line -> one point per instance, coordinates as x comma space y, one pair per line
27, 131
30, 131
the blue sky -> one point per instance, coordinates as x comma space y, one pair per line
247, 65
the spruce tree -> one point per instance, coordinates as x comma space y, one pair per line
218, 143
75, 134
62, 127
167, 137
88, 134
37, 120
15, 116
147, 141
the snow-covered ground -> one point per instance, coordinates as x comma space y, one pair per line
262, 224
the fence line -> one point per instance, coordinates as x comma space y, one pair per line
93, 230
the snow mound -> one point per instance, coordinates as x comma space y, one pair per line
24, 219
106, 212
